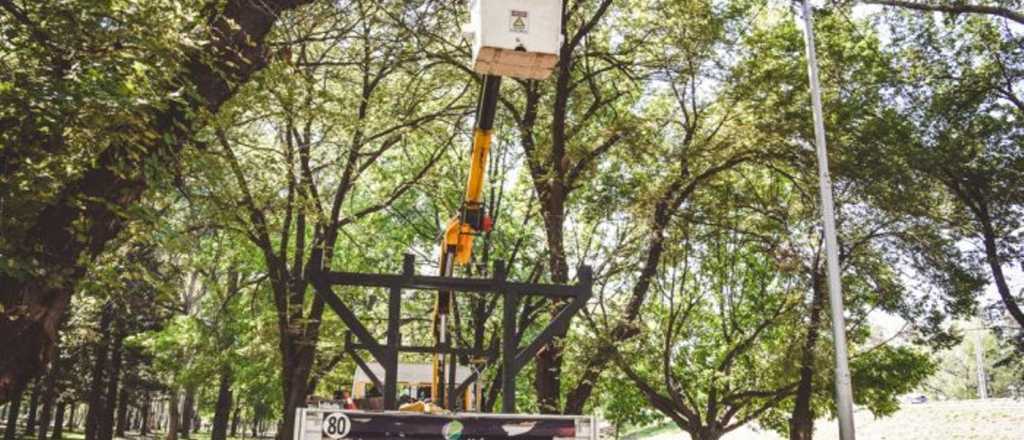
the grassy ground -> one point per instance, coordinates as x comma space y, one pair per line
76, 435
994, 419
652, 431
68, 435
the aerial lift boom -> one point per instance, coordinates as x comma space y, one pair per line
516, 38
457, 240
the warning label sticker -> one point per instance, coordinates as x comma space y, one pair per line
519, 21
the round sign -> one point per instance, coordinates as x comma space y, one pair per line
336, 425
452, 430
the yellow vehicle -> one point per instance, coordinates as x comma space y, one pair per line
414, 381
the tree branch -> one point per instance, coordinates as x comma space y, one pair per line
955, 8
584, 162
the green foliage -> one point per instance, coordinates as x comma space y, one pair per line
622, 405
956, 375
883, 374
701, 217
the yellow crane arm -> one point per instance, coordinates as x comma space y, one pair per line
459, 233
457, 240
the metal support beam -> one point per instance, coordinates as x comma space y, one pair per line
363, 366
394, 336
513, 357
466, 383
350, 319
428, 282
422, 349
558, 325
453, 365
508, 344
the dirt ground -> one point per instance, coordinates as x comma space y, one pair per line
993, 419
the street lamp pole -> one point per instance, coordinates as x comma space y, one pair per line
844, 389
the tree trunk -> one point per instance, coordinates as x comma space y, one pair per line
187, 412
122, 412
45, 418
295, 377
144, 423
995, 264
185, 425
223, 410
95, 413
71, 419
665, 209
706, 433
33, 404
255, 423
295, 397
548, 372
58, 422
12, 417
235, 419
28, 338
801, 422
49, 397
172, 417
158, 418
106, 427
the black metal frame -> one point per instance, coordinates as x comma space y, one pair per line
513, 357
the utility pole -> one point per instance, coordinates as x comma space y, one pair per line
844, 389
979, 359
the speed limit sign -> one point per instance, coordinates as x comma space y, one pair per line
336, 425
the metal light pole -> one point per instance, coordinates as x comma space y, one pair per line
979, 357
979, 360
844, 391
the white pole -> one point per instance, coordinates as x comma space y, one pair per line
844, 390
979, 361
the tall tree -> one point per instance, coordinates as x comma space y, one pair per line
331, 149
223, 408
48, 100
58, 421
106, 426
33, 406
11, 424
690, 140
50, 395
564, 143
173, 417
97, 399
959, 83
887, 259
710, 382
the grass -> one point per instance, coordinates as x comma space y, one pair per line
993, 419
652, 431
68, 435
80, 435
